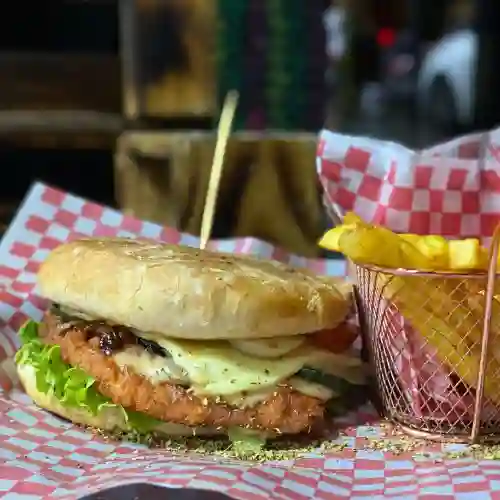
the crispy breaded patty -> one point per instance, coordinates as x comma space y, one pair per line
286, 411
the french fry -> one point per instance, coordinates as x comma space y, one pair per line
434, 248
352, 218
358, 241
365, 245
331, 239
465, 255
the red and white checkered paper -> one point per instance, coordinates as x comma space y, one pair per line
452, 190
44, 457
31, 440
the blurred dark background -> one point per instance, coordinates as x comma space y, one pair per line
38, 43
75, 75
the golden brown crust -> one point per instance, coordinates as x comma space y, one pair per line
108, 419
287, 411
188, 293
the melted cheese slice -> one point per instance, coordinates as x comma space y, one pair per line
151, 366
248, 400
218, 369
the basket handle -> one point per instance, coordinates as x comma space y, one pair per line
485, 340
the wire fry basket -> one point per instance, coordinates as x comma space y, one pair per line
434, 342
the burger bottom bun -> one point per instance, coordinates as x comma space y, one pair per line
108, 419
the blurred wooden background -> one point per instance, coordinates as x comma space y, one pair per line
153, 99
59, 89
168, 58
269, 188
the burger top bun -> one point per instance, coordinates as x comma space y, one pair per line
109, 419
187, 293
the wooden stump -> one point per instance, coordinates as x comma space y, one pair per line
269, 187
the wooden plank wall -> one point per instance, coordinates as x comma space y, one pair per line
52, 100
61, 76
55, 100
54, 81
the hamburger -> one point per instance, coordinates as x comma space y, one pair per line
153, 338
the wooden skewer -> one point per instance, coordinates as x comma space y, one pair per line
223, 133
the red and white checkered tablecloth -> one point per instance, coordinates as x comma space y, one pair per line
43, 457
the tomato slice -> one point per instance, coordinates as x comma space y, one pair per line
337, 339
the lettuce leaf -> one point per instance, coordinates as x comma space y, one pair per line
71, 386
245, 442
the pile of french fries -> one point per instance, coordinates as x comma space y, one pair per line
447, 312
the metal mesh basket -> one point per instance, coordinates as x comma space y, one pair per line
434, 342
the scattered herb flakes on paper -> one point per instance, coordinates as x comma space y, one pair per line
476, 451
279, 450
385, 438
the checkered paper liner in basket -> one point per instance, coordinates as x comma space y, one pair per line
452, 190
